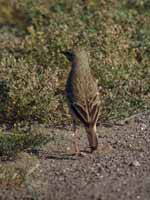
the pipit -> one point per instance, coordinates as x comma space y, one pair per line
83, 96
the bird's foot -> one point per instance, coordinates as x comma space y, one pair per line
76, 152
80, 154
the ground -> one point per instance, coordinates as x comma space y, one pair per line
118, 170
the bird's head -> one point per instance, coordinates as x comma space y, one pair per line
70, 55
77, 55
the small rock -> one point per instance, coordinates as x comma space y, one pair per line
135, 163
143, 127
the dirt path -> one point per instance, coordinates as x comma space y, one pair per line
119, 170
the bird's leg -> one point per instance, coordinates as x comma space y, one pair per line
76, 138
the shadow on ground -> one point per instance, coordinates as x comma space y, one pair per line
119, 169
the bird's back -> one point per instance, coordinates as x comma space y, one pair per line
82, 91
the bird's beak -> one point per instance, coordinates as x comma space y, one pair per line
65, 53
62, 52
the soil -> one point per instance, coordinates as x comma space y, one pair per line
118, 170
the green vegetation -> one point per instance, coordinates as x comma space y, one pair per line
16, 141
33, 71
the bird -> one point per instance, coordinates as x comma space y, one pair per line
83, 96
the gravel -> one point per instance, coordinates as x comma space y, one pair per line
118, 170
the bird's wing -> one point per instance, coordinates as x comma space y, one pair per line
94, 108
88, 113
81, 112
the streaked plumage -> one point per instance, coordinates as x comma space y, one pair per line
82, 94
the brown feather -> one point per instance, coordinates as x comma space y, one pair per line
82, 93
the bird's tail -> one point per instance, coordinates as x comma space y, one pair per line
92, 138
